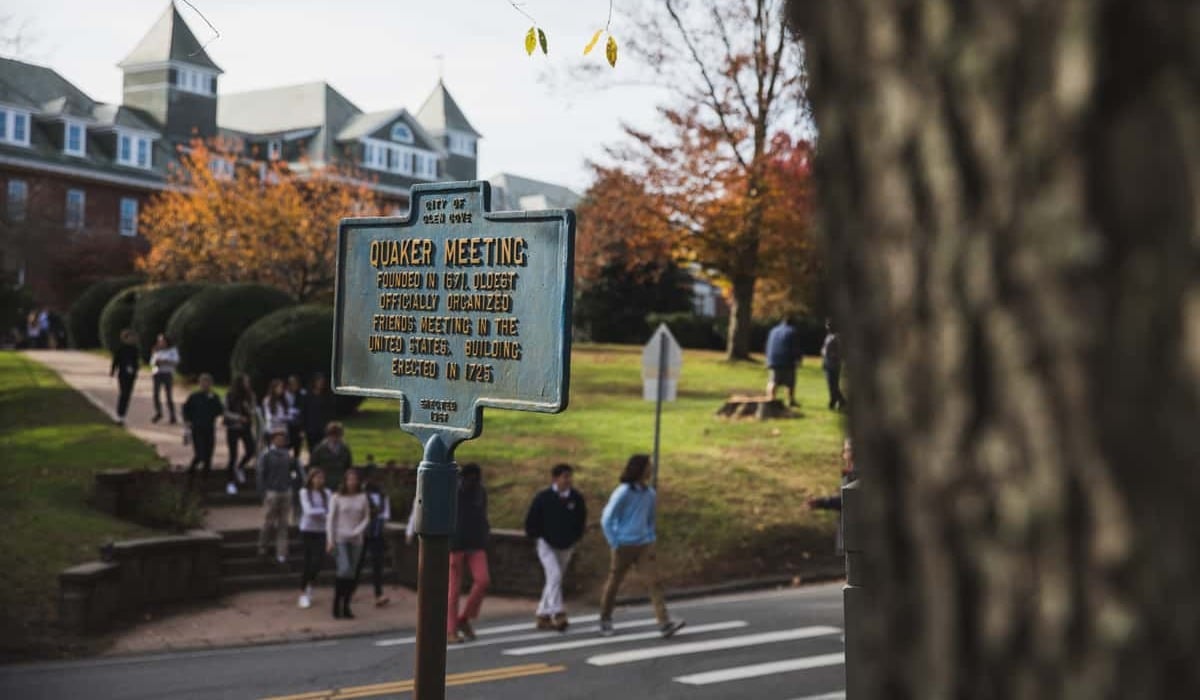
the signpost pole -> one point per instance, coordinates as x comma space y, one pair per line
662, 387
436, 506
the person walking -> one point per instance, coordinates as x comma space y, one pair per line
275, 407
831, 363
314, 521
239, 429
629, 526
318, 411
349, 515
296, 396
555, 520
164, 359
125, 363
782, 353
33, 331
374, 541
200, 414
468, 550
332, 455
274, 475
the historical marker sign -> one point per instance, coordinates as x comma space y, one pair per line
454, 308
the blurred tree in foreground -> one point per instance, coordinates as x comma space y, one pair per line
229, 220
1011, 193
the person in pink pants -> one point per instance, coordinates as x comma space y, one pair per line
468, 551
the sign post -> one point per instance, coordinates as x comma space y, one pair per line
452, 309
662, 359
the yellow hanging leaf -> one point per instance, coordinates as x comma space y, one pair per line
610, 51
542, 41
530, 41
592, 44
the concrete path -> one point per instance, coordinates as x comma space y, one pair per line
87, 373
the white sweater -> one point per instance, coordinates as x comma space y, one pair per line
314, 510
165, 361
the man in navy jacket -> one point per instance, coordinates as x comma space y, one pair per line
556, 519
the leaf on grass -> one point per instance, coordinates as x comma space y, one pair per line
542, 41
530, 40
592, 44
610, 51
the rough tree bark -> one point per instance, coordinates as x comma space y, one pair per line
1011, 191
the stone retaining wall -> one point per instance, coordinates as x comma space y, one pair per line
136, 574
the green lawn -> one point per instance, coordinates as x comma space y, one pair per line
732, 493
52, 441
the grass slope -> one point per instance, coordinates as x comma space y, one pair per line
732, 493
52, 441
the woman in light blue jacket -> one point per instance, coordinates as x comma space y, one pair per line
628, 524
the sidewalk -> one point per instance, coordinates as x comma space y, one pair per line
87, 373
260, 617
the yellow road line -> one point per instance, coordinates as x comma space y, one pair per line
366, 691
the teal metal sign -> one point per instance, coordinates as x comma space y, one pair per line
455, 308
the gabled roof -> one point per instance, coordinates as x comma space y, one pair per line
277, 109
170, 39
364, 125
515, 188
440, 112
41, 89
117, 115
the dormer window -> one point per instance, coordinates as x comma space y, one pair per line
461, 144
194, 80
401, 133
74, 139
14, 126
133, 150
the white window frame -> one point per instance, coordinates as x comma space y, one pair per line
140, 153
17, 202
194, 80
461, 144
128, 225
274, 149
68, 126
221, 168
401, 160
407, 136
9, 118
75, 215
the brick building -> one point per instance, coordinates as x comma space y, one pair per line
75, 173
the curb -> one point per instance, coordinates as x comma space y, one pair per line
743, 586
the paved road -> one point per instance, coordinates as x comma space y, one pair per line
783, 645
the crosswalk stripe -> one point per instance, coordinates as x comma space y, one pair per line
837, 695
487, 631
663, 651
546, 636
738, 673
621, 638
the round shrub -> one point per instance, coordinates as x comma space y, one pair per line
296, 340
206, 327
154, 308
83, 318
117, 316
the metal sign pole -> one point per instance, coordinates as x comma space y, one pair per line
436, 515
662, 386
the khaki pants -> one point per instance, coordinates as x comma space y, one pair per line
623, 558
277, 507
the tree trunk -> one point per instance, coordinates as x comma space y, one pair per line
1011, 193
737, 341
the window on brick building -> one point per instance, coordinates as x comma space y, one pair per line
18, 198
129, 216
76, 202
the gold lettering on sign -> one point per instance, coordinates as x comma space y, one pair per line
426, 369
410, 251
495, 303
494, 349
446, 325
386, 343
470, 252
395, 324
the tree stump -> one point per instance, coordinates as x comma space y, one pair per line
757, 407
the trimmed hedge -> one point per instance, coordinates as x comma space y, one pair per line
206, 327
117, 316
296, 340
153, 310
83, 318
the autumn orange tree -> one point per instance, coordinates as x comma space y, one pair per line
736, 76
229, 219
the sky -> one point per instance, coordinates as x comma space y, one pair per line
380, 54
